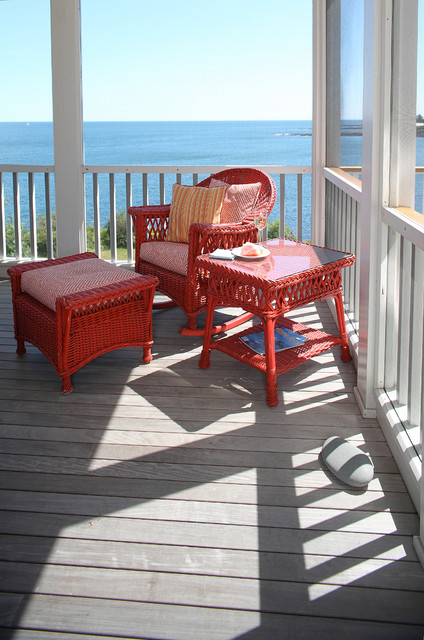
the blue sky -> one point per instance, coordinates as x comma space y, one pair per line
166, 60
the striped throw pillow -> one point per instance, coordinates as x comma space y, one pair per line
192, 204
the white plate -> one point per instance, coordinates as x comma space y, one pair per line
237, 252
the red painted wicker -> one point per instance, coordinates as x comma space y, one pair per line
294, 274
86, 324
188, 292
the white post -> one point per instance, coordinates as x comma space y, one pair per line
318, 122
404, 104
403, 150
375, 156
67, 126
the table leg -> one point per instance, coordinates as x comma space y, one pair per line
20, 349
271, 368
346, 357
66, 385
147, 354
204, 362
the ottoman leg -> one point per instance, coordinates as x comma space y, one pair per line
147, 354
20, 349
66, 385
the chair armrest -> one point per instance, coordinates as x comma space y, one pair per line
150, 223
156, 209
205, 238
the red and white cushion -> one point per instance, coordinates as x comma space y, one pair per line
172, 256
49, 283
239, 200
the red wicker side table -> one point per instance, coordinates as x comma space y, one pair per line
292, 275
74, 309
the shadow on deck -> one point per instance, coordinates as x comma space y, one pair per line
163, 501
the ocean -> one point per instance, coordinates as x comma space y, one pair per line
171, 143
166, 143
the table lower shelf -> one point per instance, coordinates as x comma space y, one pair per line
317, 343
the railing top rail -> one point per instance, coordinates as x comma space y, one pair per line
189, 168
407, 222
106, 168
26, 168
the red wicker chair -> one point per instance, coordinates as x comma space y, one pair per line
189, 291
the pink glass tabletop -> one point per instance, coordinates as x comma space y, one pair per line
286, 258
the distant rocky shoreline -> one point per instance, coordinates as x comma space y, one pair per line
358, 132
342, 133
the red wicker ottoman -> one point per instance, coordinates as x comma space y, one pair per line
76, 308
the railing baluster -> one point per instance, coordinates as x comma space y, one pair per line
357, 250
49, 220
393, 302
299, 207
32, 216
352, 243
128, 203
161, 188
337, 219
112, 200
282, 205
96, 215
329, 221
145, 190
346, 243
17, 215
404, 321
353, 249
416, 365
2, 220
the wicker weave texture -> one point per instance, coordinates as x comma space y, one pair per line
317, 343
86, 324
151, 224
292, 275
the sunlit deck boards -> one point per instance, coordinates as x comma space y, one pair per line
165, 501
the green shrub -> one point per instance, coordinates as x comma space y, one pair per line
90, 238
10, 238
42, 235
121, 232
121, 235
274, 231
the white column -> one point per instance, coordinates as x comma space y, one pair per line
318, 122
67, 125
404, 104
375, 171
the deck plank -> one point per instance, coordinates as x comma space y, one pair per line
163, 501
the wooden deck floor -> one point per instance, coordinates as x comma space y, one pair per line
163, 501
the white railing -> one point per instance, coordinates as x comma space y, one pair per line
399, 390
27, 204
342, 232
26, 197
404, 322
